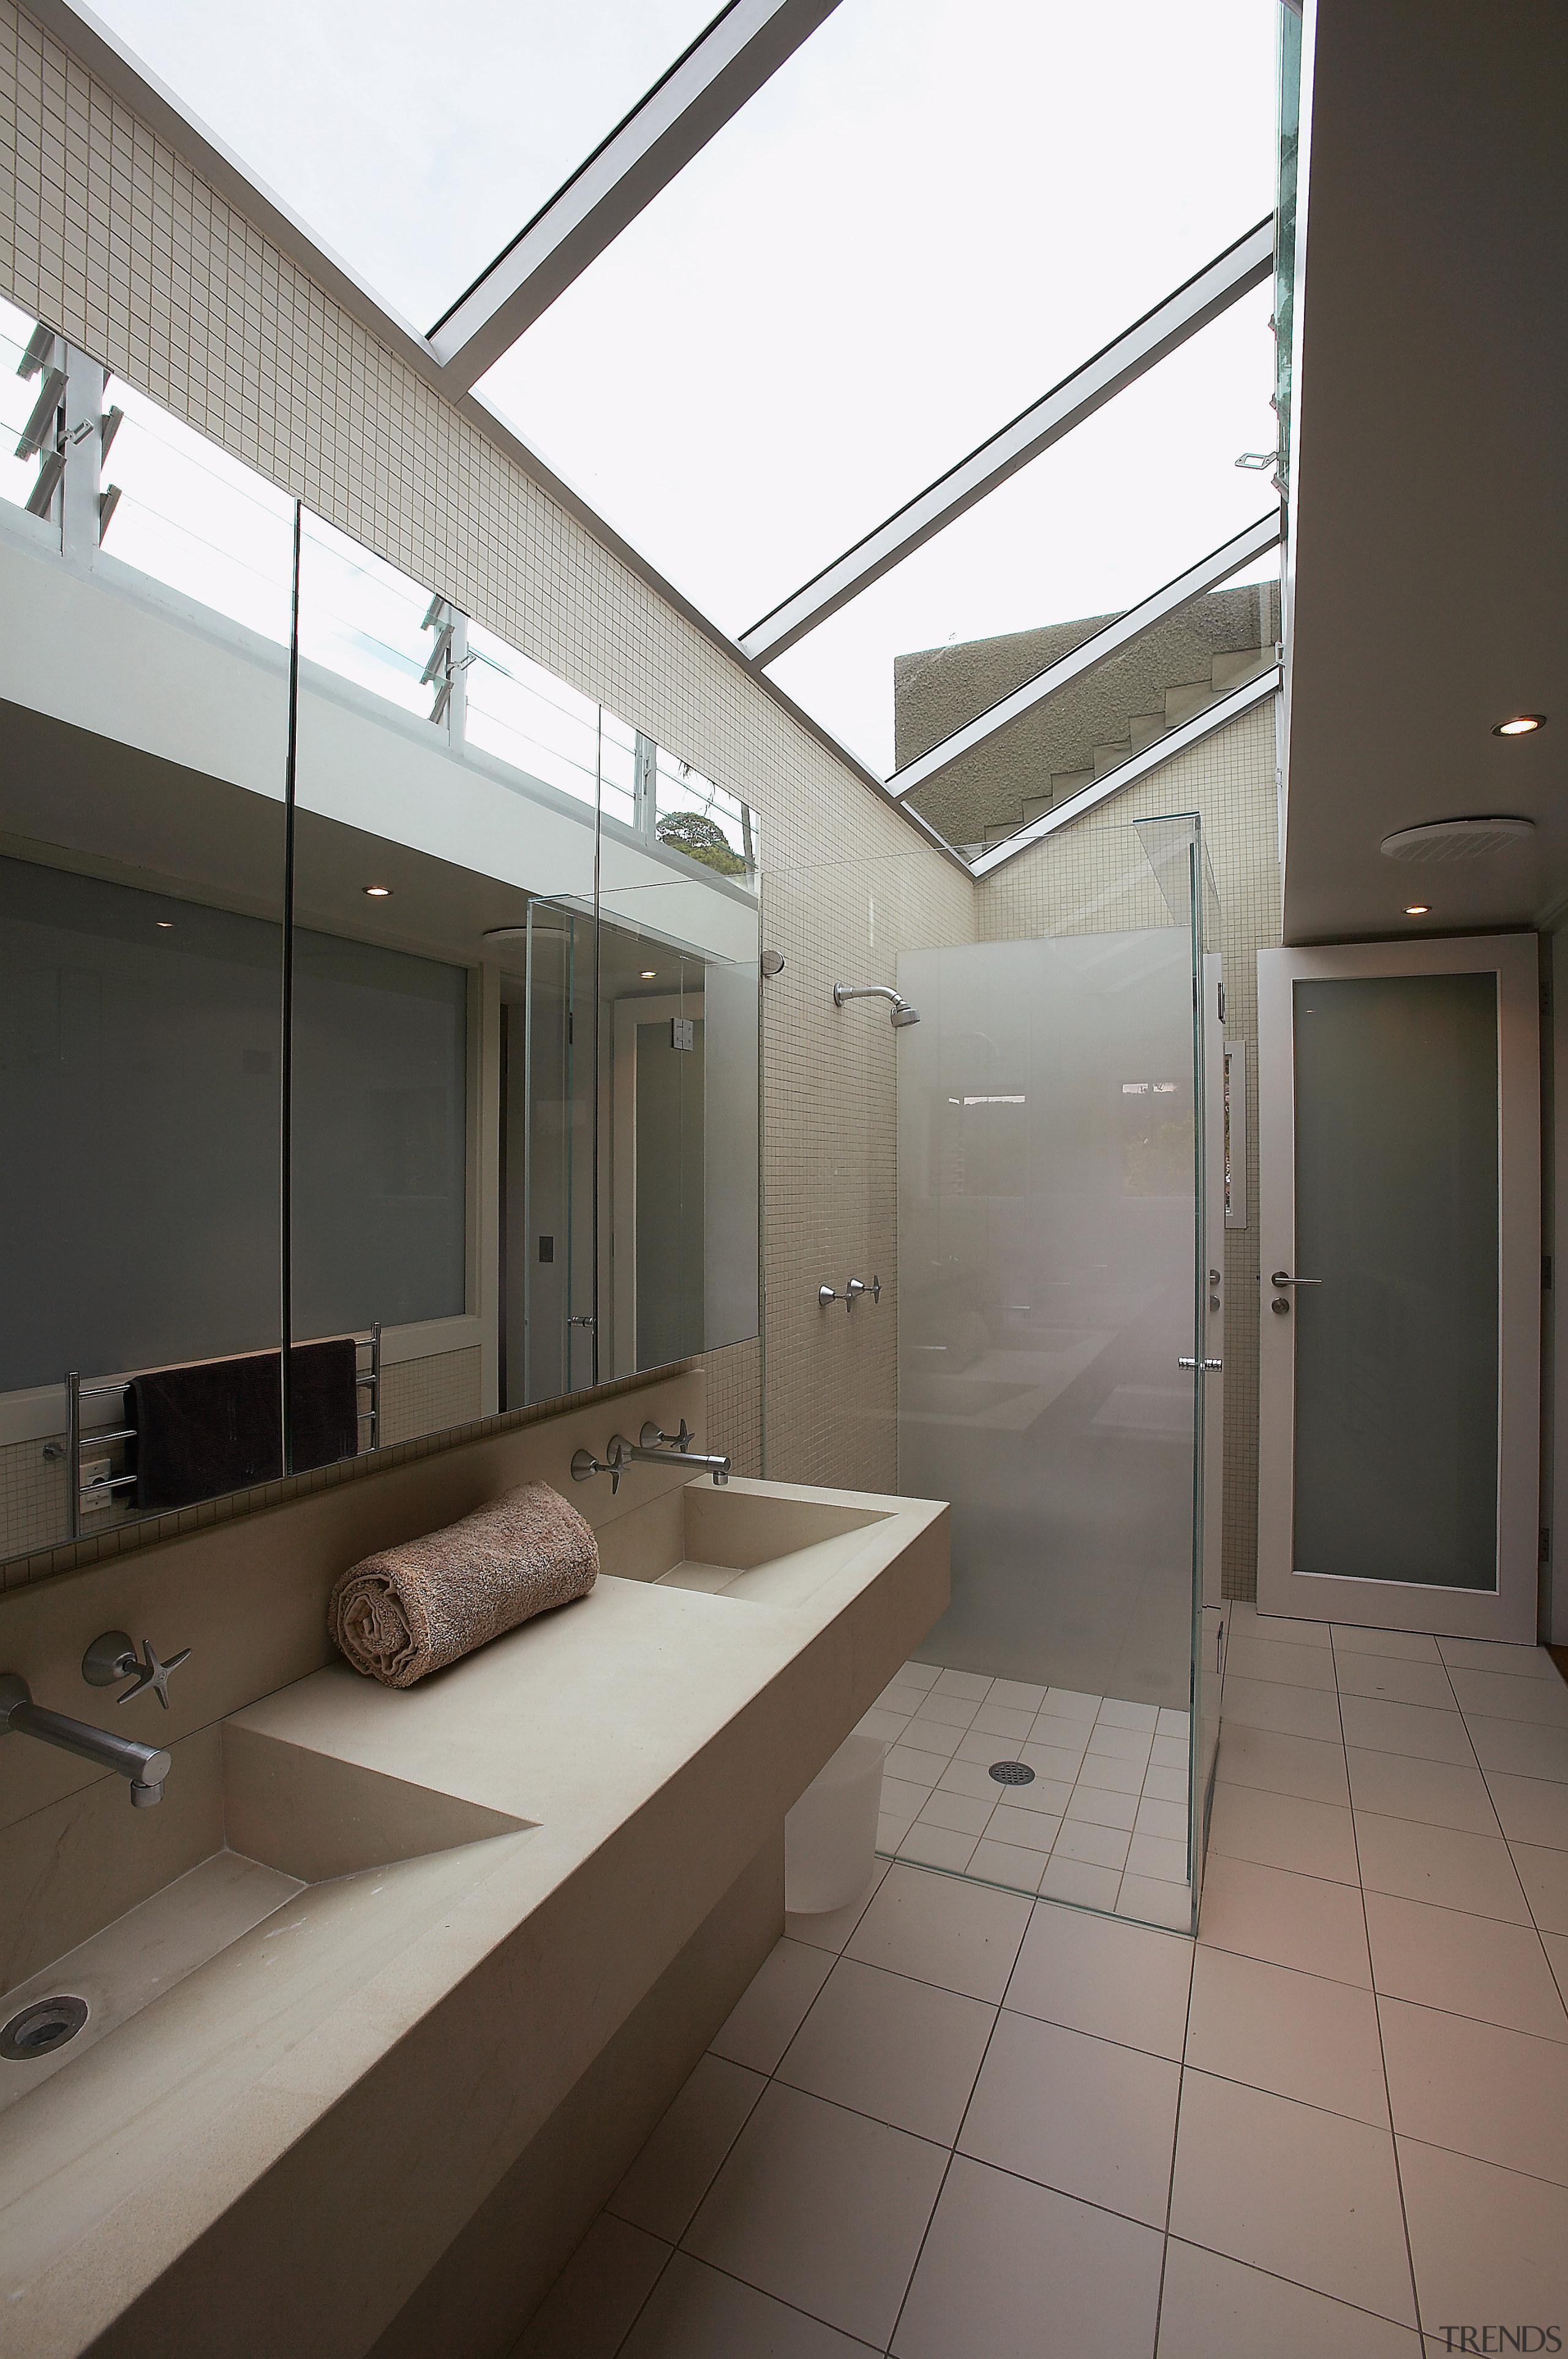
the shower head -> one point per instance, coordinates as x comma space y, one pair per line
902, 1012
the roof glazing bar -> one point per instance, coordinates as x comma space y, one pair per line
1209, 572
729, 64
1230, 276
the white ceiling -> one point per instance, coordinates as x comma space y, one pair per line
1429, 511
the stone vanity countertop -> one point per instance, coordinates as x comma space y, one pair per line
650, 1739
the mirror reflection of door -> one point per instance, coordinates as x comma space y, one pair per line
546, 1279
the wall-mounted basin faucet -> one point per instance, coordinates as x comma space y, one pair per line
652, 1446
147, 1766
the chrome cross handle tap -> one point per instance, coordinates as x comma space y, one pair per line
112, 1657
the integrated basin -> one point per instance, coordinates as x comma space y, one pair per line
761, 1547
321, 1871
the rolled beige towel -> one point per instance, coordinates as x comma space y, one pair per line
412, 1608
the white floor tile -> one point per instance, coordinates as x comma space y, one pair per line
824, 2209
1544, 1875
1174, 1723
941, 1932
1166, 1819
676, 2167
1068, 1737
1156, 1856
898, 1794
1292, 1628
697, 2312
937, 1847
1095, 1846
1556, 1948
1011, 2270
1114, 1982
1413, 1728
1304, 2194
1012, 1864
1102, 1808
1075, 1880
1440, 1865
1000, 1720
1294, 2035
903, 2051
1437, 1793
1477, 2089
772, 2007
920, 1675
1115, 1714
891, 1829
1532, 1809
599, 2292
1049, 1796
971, 1684
966, 1814
971, 1777
1287, 1711
1080, 2114
898, 1696
1499, 1696
1016, 1695
1065, 1767
1286, 1920
1169, 1753
1486, 1655
1278, 1763
1390, 1678
1116, 1743
830, 1928
1070, 1704
1215, 2309
1465, 1965
1030, 1830
888, 1725
1111, 1774
1518, 1748
1152, 1900
1166, 1785
1487, 2244
947, 1710
1273, 1659
930, 1737
1284, 1831
1411, 1646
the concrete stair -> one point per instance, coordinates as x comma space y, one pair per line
1144, 728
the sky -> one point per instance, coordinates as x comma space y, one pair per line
935, 210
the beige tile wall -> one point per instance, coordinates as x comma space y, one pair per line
1077, 881
109, 237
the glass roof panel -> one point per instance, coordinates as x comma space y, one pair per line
1129, 500
934, 210
416, 143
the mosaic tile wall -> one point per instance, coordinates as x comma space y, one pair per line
1080, 881
110, 238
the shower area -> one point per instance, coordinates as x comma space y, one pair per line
1060, 1230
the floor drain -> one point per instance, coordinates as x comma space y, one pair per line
1012, 1773
39, 2029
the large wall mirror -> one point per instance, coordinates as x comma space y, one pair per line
380, 1042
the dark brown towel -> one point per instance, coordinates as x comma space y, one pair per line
216, 1426
409, 1609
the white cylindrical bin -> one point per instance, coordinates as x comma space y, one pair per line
829, 1836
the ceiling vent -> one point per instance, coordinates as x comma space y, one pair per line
1457, 839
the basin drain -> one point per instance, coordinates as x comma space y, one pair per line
1012, 1773
39, 2029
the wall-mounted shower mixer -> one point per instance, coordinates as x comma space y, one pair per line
853, 1289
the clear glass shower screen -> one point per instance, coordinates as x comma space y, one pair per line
1397, 1227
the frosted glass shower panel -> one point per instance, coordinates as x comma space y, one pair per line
1046, 1158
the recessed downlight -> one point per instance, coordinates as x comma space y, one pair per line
1418, 908
378, 892
1520, 725
164, 925
649, 973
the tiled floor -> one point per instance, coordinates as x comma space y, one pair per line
1103, 1823
957, 2123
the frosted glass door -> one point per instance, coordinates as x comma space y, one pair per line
1396, 1314
1398, 1131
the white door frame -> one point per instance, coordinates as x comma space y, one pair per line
1509, 1611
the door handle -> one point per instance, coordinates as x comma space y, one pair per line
1283, 1277
1200, 1364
